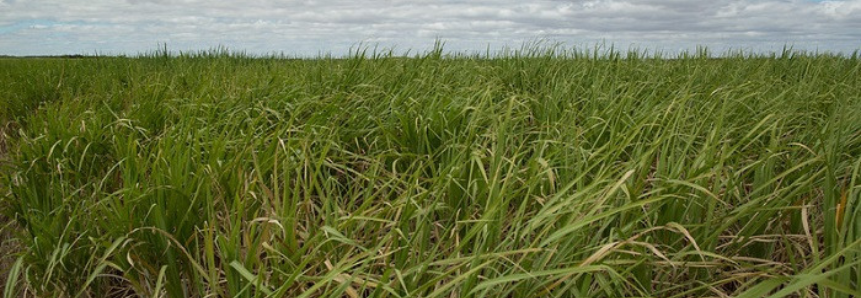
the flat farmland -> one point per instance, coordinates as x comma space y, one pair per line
537, 173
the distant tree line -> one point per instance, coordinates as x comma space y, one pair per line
76, 56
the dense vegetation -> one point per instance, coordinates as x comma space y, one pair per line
535, 173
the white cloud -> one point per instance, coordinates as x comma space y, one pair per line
311, 27
842, 9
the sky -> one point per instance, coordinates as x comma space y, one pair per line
314, 27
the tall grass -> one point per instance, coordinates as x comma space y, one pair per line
537, 173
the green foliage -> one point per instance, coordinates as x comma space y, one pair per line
539, 172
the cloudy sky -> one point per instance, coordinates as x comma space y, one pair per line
295, 27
